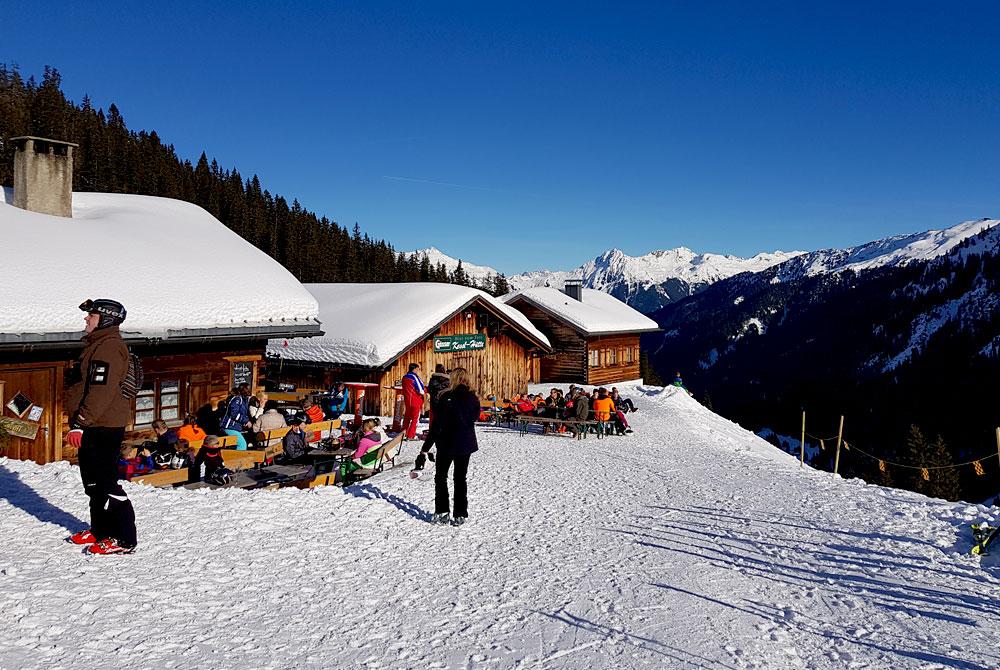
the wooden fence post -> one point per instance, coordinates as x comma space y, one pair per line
840, 438
802, 444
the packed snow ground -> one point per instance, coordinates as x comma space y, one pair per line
691, 544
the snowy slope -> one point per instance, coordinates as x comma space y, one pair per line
371, 324
700, 547
171, 263
891, 251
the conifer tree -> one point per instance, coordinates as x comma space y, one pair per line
916, 446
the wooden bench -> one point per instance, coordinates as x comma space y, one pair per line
524, 420
386, 453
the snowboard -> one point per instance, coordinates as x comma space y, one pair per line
983, 536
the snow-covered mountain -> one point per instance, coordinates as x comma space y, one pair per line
888, 252
655, 279
436, 256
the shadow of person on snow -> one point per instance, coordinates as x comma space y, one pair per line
22, 496
370, 492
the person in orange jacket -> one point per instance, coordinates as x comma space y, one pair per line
413, 394
604, 406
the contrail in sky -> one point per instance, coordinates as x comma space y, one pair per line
453, 185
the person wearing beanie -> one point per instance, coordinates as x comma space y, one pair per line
99, 412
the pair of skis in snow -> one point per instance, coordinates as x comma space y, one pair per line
983, 536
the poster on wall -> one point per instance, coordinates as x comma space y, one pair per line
35, 413
19, 404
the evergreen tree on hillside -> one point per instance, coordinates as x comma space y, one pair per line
916, 446
944, 481
459, 276
113, 159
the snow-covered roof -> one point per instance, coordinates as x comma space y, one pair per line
370, 325
177, 269
597, 314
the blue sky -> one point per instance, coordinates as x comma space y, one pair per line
530, 135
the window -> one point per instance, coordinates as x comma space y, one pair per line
158, 399
612, 356
628, 355
593, 358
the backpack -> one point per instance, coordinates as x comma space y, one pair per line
132, 382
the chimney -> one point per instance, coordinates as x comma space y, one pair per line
43, 175
574, 289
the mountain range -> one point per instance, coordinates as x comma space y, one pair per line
659, 278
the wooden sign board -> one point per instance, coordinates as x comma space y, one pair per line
458, 343
242, 373
19, 428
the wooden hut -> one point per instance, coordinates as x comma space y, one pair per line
594, 336
201, 303
374, 331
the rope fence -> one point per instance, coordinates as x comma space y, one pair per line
925, 471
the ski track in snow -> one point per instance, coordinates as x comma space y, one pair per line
692, 544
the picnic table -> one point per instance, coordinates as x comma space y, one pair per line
271, 477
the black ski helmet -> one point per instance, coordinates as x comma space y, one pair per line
112, 312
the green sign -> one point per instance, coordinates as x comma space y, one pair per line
445, 343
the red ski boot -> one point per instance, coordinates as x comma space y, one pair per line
83, 537
109, 545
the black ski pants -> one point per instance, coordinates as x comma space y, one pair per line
441, 467
111, 513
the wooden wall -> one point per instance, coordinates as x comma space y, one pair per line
613, 373
42, 383
502, 369
568, 362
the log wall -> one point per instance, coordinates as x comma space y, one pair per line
609, 372
568, 362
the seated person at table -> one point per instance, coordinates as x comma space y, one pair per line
604, 406
190, 430
134, 462
368, 441
165, 438
183, 457
524, 406
271, 419
210, 455
624, 404
314, 413
294, 443
580, 411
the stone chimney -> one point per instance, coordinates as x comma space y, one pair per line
43, 175
574, 289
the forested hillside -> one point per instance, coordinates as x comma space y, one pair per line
112, 158
909, 355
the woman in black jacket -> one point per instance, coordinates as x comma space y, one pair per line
454, 433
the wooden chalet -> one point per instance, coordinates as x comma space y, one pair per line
374, 331
202, 303
594, 336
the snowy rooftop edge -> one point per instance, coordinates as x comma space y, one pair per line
396, 321
599, 313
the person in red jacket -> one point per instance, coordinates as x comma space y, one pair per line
413, 393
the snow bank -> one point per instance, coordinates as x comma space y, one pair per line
598, 313
172, 264
370, 325
690, 544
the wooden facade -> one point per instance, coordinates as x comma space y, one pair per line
178, 378
504, 368
578, 358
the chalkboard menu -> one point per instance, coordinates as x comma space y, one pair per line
242, 374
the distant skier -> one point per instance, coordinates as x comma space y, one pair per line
413, 393
678, 382
98, 412
454, 433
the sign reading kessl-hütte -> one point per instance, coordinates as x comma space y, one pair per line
445, 343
